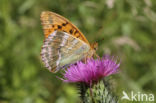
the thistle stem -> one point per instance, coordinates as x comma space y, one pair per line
91, 93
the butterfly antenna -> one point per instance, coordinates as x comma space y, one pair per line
100, 40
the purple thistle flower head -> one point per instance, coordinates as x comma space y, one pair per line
91, 71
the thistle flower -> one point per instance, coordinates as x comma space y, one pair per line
91, 71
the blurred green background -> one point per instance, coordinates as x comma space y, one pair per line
127, 26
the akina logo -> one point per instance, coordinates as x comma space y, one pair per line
137, 96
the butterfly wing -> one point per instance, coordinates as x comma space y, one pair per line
61, 49
52, 21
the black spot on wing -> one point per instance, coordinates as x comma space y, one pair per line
64, 24
71, 31
59, 27
76, 32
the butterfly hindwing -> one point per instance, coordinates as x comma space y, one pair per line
61, 49
52, 21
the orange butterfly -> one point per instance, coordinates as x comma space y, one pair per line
64, 43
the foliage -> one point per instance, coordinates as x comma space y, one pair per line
128, 29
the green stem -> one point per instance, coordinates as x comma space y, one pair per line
91, 94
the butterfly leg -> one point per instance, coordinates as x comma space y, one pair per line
97, 56
85, 59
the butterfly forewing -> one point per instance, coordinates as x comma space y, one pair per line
61, 49
52, 21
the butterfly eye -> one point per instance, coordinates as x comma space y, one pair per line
95, 48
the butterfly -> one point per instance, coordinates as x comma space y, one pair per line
64, 44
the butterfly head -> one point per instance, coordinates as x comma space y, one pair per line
94, 46
93, 49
